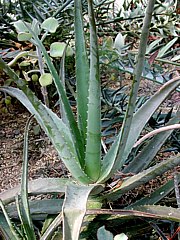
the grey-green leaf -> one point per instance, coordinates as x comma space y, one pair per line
56, 130
103, 234
21, 27
57, 49
50, 24
74, 209
143, 177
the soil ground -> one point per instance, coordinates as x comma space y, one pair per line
43, 159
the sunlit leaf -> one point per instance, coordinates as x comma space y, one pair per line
166, 47
103, 234
69, 51
21, 27
45, 79
57, 49
119, 42
24, 36
50, 25
121, 236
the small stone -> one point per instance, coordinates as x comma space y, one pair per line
16, 131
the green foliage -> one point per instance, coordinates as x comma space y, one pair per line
45, 79
78, 139
103, 234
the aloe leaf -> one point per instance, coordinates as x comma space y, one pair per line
6, 222
62, 76
74, 209
156, 196
152, 45
148, 211
143, 177
26, 217
142, 116
82, 69
93, 143
166, 48
5, 230
52, 227
162, 212
38, 208
55, 129
21, 214
146, 155
127, 123
122, 139
60, 89
38, 186
108, 160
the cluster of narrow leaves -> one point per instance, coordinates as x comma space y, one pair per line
78, 141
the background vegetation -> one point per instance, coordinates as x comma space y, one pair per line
50, 48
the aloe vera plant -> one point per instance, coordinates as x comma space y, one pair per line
78, 141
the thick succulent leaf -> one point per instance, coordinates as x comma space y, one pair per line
5, 229
153, 45
139, 120
146, 155
93, 142
74, 209
56, 130
127, 123
52, 227
161, 212
40, 208
66, 106
24, 204
156, 196
164, 49
157, 131
38, 186
123, 137
143, 177
6, 221
142, 116
82, 68
148, 211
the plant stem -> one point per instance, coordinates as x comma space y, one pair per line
41, 68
